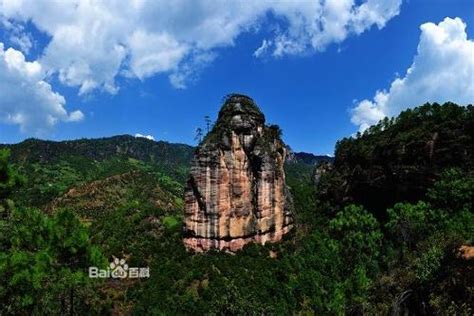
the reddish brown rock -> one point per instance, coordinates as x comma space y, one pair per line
466, 252
236, 192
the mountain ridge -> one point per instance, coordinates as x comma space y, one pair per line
293, 156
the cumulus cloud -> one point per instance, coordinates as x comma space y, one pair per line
93, 42
441, 71
150, 137
313, 25
25, 98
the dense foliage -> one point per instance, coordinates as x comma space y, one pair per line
380, 233
398, 159
415, 174
43, 260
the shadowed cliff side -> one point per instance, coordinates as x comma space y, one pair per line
236, 192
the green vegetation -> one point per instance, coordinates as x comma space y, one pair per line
9, 180
399, 159
122, 164
380, 232
414, 173
43, 260
171, 222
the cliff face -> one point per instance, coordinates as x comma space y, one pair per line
236, 192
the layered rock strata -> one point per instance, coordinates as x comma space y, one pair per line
236, 192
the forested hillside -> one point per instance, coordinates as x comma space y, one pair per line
54, 169
399, 159
414, 174
377, 232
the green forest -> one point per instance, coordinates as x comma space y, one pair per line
380, 230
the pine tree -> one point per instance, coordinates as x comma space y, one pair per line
9, 180
198, 136
43, 259
208, 121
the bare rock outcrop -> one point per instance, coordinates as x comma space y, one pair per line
236, 192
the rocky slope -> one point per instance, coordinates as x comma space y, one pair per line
236, 192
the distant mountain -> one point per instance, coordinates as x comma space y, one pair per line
309, 159
95, 174
42, 151
92, 175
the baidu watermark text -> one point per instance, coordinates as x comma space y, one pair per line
119, 269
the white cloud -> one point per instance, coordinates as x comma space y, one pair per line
25, 98
75, 116
154, 53
313, 25
188, 71
150, 137
22, 41
93, 42
17, 35
266, 44
442, 70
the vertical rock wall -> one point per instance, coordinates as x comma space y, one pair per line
236, 192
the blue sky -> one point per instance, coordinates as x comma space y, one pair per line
316, 95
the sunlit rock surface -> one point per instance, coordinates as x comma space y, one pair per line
236, 192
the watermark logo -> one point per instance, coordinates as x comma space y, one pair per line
119, 269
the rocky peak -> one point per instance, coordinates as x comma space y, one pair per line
239, 117
236, 191
241, 114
